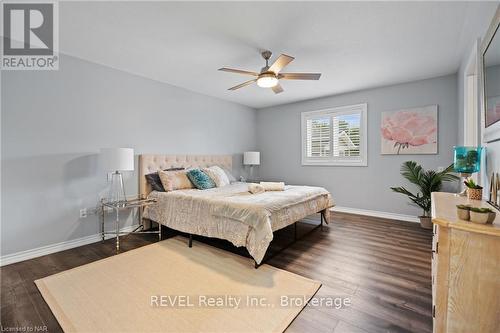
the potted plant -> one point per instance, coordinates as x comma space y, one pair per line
463, 212
480, 215
474, 191
427, 181
492, 217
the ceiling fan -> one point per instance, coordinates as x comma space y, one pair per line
269, 76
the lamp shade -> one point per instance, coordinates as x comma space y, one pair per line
117, 159
467, 159
251, 158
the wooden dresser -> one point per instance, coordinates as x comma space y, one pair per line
465, 269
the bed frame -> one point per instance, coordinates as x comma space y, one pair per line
149, 163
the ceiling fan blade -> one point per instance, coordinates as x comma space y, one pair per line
280, 63
243, 84
299, 76
238, 71
277, 89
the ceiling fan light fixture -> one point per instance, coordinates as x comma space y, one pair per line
270, 76
267, 80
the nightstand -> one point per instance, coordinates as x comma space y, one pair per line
122, 205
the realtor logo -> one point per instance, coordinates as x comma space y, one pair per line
30, 36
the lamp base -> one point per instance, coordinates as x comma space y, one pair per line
117, 189
462, 193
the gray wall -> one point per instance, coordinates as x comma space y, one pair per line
53, 124
279, 138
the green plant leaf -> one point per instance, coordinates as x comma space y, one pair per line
447, 174
412, 172
427, 182
415, 198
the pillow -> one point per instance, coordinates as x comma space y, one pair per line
153, 179
200, 179
174, 180
218, 175
229, 175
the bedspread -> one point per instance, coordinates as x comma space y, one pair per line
234, 214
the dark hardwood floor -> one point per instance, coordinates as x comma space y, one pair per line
381, 266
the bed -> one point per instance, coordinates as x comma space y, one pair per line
229, 212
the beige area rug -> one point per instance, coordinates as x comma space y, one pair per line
169, 287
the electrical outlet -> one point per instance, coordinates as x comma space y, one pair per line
440, 169
83, 213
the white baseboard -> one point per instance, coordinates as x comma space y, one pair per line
48, 249
375, 213
365, 212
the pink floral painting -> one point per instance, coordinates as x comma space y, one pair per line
411, 131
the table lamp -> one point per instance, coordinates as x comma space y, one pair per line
466, 161
251, 158
116, 160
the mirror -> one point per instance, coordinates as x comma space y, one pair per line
491, 62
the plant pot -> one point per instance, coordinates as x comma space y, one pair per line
463, 214
475, 193
477, 217
491, 218
425, 222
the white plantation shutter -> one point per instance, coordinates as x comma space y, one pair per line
346, 138
318, 137
335, 136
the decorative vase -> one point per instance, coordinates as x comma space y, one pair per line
477, 217
425, 222
475, 193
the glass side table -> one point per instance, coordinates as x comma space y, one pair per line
122, 205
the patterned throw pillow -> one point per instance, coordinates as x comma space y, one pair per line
153, 179
174, 180
200, 179
218, 175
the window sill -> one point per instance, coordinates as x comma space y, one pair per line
336, 163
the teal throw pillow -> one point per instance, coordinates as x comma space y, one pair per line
200, 179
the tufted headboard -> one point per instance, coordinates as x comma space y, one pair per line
149, 163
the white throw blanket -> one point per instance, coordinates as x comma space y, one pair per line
232, 213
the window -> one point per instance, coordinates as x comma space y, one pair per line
335, 136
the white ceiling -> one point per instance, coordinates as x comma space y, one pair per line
355, 45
